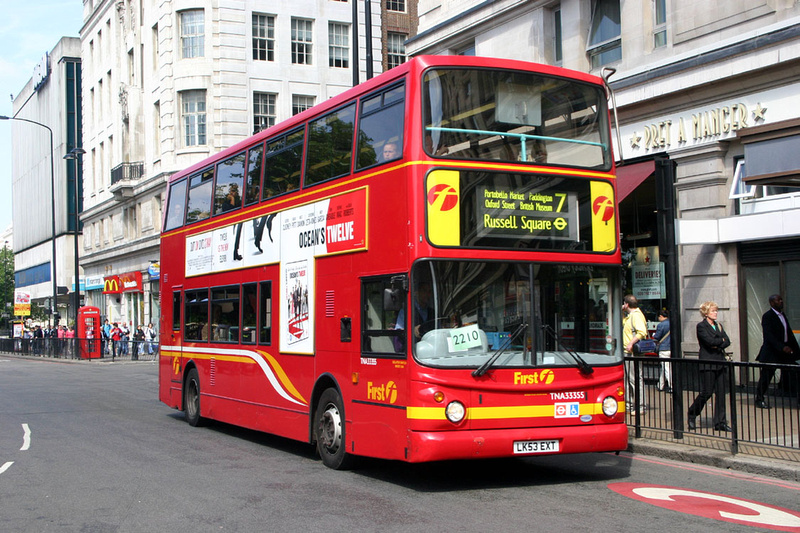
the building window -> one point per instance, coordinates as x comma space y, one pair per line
395, 49
300, 103
396, 5
659, 23
193, 108
338, 45
558, 53
263, 111
155, 48
605, 41
192, 33
466, 50
263, 38
739, 189
301, 41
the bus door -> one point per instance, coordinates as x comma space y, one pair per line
382, 389
172, 360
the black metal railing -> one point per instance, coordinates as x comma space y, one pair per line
88, 349
666, 413
127, 171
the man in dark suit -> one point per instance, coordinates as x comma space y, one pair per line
780, 346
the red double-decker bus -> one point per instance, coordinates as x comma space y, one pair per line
425, 267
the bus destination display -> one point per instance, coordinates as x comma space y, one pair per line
505, 212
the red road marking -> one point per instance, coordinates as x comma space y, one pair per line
714, 506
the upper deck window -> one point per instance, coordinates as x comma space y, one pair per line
505, 115
283, 164
230, 181
380, 130
199, 207
330, 145
254, 158
176, 209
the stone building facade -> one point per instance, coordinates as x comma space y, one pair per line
168, 83
700, 90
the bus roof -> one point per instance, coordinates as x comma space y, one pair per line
416, 64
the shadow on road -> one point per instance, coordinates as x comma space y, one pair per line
448, 476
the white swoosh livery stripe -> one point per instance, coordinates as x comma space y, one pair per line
273, 379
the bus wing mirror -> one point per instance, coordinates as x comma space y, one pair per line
393, 299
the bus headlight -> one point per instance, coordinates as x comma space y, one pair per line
455, 412
610, 406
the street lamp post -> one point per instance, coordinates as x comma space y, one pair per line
54, 305
75, 155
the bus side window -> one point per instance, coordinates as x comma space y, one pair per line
265, 313
380, 130
176, 311
225, 314
195, 327
200, 186
230, 182
330, 145
254, 158
283, 164
175, 207
381, 332
249, 313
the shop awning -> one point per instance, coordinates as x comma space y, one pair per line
631, 176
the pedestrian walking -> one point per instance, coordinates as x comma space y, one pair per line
116, 335
664, 351
150, 337
138, 343
634, 329
713, 378
779, 346
125, 335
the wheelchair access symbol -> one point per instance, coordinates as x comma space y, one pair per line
567, 410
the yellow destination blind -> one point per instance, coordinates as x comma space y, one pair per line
444, 207
604, 222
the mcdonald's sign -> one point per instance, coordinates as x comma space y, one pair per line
128, 282
111, 285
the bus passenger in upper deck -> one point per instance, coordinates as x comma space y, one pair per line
175, 215
390, 152
233, 200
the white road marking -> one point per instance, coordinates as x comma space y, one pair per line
5, 466
26, 439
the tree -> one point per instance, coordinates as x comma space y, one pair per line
6, 281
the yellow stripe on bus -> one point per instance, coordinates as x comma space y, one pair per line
281, 374
504, 412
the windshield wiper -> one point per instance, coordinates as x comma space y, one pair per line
481, 370
583, 366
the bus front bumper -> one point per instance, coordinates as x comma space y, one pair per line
477, 444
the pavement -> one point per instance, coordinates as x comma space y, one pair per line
771, 461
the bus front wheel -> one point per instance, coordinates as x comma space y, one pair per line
191, 399
329, 429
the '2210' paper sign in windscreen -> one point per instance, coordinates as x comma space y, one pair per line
329, 226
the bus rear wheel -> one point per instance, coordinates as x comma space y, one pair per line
191, 399
329, 430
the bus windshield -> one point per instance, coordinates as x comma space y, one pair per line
537, 314
515, 116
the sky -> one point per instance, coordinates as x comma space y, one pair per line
28, 29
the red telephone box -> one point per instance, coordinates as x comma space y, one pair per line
90, 338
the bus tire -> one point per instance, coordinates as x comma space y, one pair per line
329, 431
191, 399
